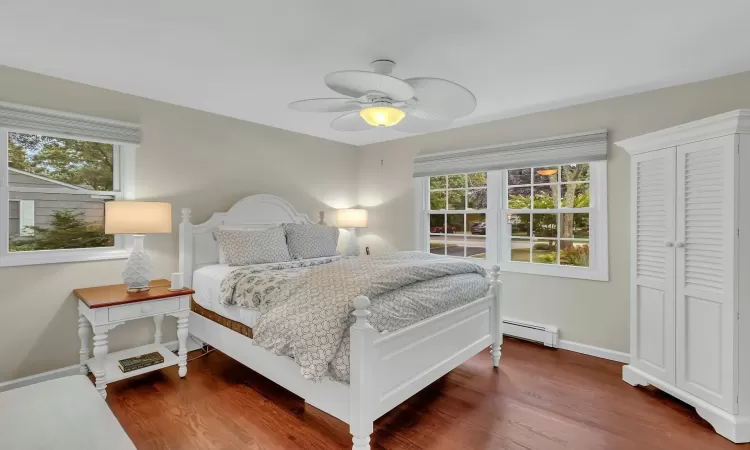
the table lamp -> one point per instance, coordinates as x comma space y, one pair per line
352, 219
138, 219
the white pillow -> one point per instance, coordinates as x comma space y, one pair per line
241, 247
222, 257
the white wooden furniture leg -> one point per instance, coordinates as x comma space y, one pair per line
157, 334
84, 333
360, 379
182, 334
100, 354
496, 290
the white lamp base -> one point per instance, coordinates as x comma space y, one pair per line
138, 268
352, 247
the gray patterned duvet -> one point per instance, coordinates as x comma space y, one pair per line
306, 309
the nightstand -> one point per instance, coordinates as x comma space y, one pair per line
106, 307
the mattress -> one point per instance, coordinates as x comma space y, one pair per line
206, 284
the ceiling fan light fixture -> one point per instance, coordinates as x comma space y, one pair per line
382, 116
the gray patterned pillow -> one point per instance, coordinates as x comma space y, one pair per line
311, 240
241, 248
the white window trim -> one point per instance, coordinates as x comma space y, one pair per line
124, 185
498, 250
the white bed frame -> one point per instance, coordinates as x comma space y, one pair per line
386, 368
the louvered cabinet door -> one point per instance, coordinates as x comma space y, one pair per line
652, 270
705, 272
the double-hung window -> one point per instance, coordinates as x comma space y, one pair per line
59, 170
539, 208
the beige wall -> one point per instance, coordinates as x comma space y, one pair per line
188, 158
590, 312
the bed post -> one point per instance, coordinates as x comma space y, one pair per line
186, 247
496, 288
361, 377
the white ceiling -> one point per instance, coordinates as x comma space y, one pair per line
249, 58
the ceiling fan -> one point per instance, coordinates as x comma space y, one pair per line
377, 99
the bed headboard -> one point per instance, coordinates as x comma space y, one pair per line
256, 212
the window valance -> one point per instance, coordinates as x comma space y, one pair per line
590, 146
32, 119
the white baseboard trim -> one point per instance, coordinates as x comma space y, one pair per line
605, 353
75, 370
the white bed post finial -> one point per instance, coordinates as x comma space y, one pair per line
322, 216
186, 247
361, 376
496, 287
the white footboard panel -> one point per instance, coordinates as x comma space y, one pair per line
408, 360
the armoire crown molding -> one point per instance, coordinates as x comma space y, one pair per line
732, 122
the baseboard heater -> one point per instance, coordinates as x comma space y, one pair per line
529, 331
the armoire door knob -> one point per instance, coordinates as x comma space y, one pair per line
668, 244
680, 245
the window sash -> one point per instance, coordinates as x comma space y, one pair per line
498, 239
123, 158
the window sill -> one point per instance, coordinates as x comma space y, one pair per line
581, 273
61, 256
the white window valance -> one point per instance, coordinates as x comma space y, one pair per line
39, 120
573, 148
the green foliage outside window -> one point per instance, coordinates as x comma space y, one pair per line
67, 230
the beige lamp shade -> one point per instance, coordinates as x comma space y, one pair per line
351, 218
137, 217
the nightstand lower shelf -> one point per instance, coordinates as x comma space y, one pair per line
112, 360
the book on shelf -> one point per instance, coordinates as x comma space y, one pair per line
140, 362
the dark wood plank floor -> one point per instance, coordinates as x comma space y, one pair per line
539, 399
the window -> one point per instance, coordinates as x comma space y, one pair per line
547, 219
52, 196
458, 215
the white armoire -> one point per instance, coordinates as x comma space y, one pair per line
690, 267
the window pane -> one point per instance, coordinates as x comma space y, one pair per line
437, 182
456, 181
545, 197
574, 225
545, 225
575, 172
53, 161
477, 198
520, 250
478, 179
437, 200
455, 245
575, 195
544, 251
53, 221
520, 224
546, 174
476, 247
437, 245
519, 176
519, 198
456, 199
574, 253
455, 224
437, 223
476, 223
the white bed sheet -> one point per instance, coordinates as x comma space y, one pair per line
206, 284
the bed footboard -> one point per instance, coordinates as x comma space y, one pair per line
388, 368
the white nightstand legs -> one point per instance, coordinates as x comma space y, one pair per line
182, 335
100, 354
157, 334
84, 333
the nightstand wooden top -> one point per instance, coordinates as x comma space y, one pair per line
117, 294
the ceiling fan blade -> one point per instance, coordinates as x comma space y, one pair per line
438, 99
326, 105
350, 122
413, 124
358, 83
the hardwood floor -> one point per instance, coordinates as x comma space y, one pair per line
539, 399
